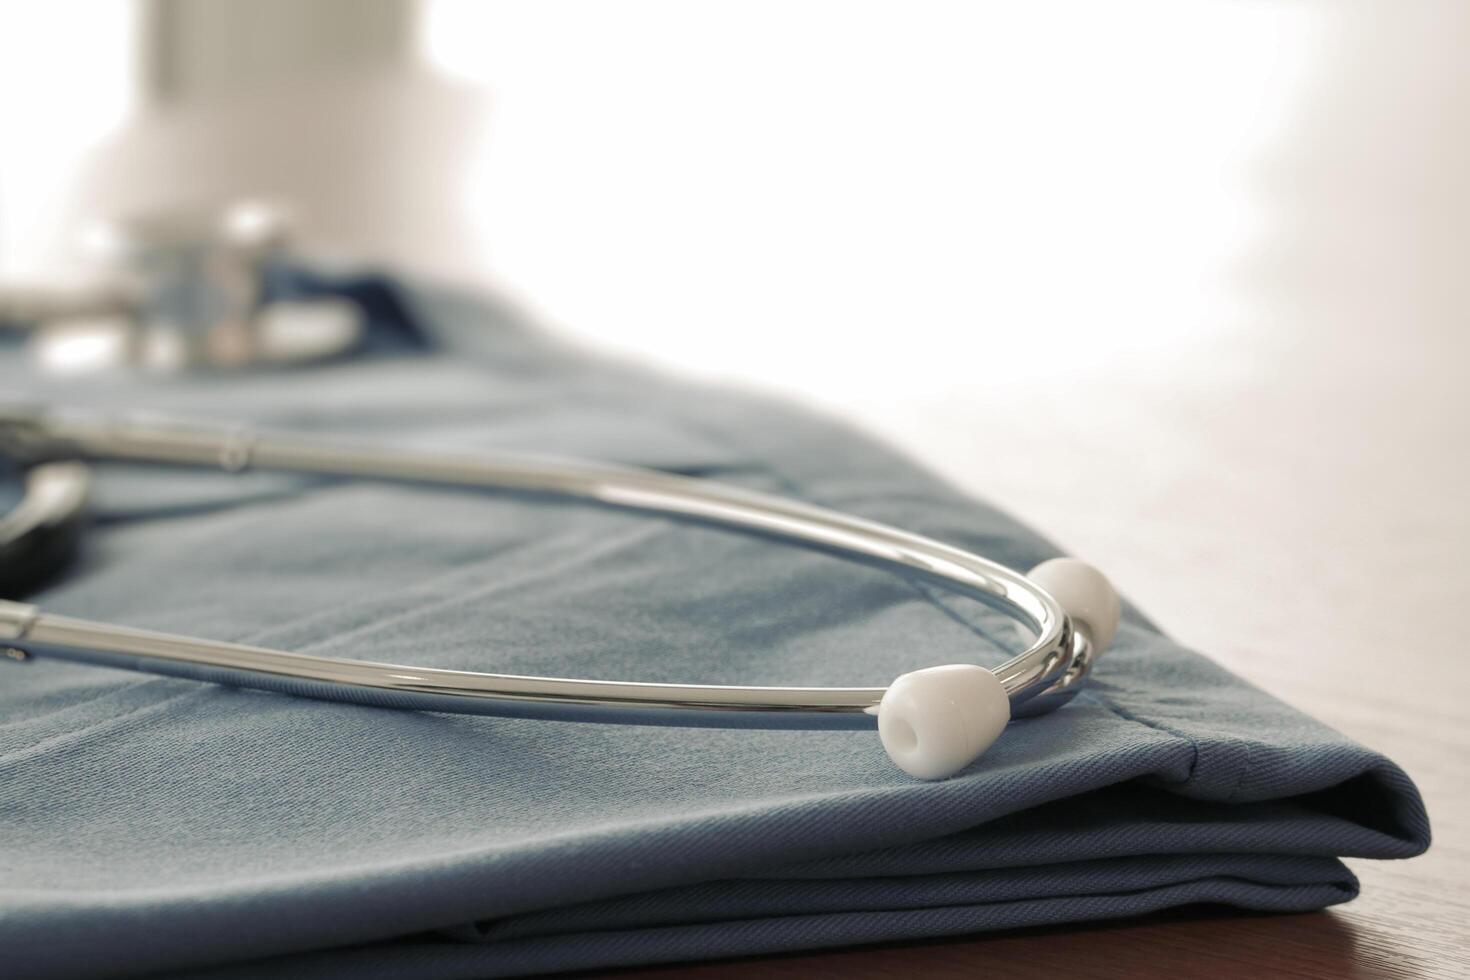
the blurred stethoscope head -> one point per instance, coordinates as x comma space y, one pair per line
186, 289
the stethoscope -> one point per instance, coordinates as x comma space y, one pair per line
932, 722
183, 290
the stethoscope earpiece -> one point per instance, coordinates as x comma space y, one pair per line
936, 721
1085, 594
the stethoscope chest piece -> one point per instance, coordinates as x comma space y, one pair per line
188, 290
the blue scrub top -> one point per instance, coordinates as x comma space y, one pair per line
160, 825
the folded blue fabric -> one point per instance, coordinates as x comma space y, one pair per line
155, 824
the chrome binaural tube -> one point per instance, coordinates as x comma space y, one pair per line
36, 436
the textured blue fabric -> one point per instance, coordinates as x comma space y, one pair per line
159, 825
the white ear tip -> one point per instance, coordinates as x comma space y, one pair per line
935, 722
1085, 594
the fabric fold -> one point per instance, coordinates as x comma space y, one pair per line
162, 826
